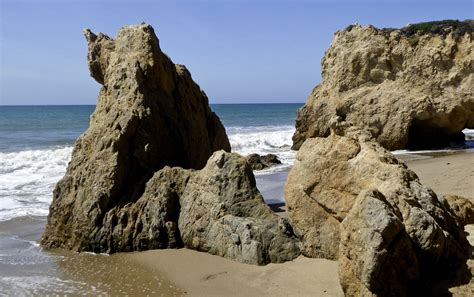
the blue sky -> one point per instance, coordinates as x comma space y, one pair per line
237, 51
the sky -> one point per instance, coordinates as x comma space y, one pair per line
258, 51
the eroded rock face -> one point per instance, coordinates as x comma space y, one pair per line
223, 213
217, 209
410, 90
328, 185
149, 223
149, 114
377, 257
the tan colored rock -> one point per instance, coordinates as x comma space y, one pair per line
326, 182
376, 255
410, 90
217, 209
149, 114
149, 223
462, 208
223, 213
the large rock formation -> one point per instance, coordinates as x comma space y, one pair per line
394, 232
223, 213
411, 88
120, 194
150, 113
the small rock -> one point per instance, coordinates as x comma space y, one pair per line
258, 162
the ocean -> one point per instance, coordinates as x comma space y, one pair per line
36, 143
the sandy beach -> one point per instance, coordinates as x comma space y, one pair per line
452, 174
200, 274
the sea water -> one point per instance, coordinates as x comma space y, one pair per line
36, 144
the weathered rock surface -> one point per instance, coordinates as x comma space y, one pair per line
217, 209
462, 208
411, 88
386, 215
223, 213
149, 223
149, 114
258, 162
376, 257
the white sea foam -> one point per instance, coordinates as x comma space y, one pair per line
27, 179
264, 140
469, 132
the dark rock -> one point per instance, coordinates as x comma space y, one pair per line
258, 162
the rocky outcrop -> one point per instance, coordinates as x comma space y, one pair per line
258, 162
411, 88
149, 114
223, 213
349, 198
217, 209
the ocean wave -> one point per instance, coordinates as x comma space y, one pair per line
264, 140
27, 179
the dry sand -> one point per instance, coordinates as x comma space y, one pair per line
201, 274
453, 174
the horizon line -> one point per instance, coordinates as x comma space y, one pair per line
232, 103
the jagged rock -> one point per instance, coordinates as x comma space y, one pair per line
462, 208
149, 114
149, 223
223, 213
258, 162
410, 88
376, 256
323, 186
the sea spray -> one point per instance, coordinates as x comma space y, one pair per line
27, 179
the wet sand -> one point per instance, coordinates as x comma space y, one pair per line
200, 274
28, 270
